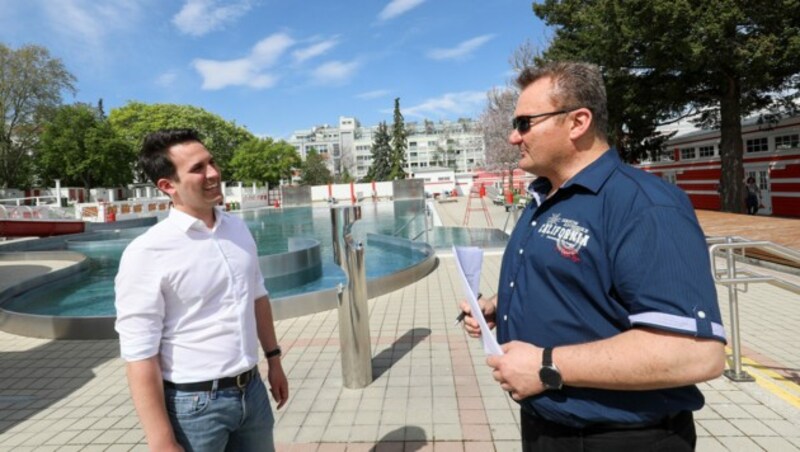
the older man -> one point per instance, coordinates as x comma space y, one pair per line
606, 307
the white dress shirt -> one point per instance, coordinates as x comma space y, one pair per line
186, 293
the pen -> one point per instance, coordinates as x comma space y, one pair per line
463, 314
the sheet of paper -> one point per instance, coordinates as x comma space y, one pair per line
468, 261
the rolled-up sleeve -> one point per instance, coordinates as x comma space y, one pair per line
662, 272
140, 305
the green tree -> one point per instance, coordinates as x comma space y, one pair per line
264, 160
721, 59
399, 144
381, 155
135, 120
31, 83
79, 147
314, 169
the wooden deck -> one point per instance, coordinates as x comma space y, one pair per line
783, 231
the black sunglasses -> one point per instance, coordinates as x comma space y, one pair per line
523, 122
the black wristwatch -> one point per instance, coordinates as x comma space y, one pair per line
549, 373
273, 353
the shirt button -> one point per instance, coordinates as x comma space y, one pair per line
512, 284
520, 251
533, 223
505, 318
701, 314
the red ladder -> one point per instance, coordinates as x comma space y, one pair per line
478, 193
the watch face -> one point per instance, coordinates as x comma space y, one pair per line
551, 378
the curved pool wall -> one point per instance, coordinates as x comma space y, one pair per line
296, 267
46, 326
302, 263
326, 299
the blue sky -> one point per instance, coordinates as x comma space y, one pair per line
275, 66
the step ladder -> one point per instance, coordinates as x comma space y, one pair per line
479, 194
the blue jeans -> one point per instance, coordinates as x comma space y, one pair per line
222, 420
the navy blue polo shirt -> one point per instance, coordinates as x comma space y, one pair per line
614, 248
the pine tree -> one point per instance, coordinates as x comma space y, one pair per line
399, 144
381, 155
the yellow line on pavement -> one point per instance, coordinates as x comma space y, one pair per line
773, 382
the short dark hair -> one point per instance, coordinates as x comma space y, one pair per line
575, 85
154, 156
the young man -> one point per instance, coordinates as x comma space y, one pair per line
191, 311
606, 307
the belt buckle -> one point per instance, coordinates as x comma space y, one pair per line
242, 380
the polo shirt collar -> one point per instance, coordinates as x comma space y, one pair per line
595, 175
184, 221
592, 177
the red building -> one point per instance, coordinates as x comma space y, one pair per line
771, 156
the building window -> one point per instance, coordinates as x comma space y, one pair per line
412, 144
757, 145
787, 142
706, 151
688, 153
444, 178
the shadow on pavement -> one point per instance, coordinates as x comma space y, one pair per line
394, 353
407, 439
33, 380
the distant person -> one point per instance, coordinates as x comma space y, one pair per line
191, 311
753, 199
606, 308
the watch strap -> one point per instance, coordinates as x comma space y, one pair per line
273, 353
547, 357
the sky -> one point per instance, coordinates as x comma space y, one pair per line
276, 66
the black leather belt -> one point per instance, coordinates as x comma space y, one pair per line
240, 381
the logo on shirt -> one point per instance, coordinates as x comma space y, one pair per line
568, 234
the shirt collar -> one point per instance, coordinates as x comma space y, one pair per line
184, 221
592, 177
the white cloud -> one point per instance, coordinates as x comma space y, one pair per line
314, 50
198, 17
335, 72
462, 50
373, 94
267, 51
398, 7
167, 78
464, 103
248, 71
89, 22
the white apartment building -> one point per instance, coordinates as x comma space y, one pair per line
454, 144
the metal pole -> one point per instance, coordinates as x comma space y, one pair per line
735, 374
427, 222
354, 334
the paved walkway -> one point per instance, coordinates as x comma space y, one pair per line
431, 388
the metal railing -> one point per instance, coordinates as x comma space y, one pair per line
726, 248
353, 308
426, 228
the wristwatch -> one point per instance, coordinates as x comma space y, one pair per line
273, 353
549, 373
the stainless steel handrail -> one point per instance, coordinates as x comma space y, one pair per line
726, 247
354, 334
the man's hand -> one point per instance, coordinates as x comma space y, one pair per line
278, 384
488, 307
517, 370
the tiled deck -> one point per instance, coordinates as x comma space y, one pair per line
431, 391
